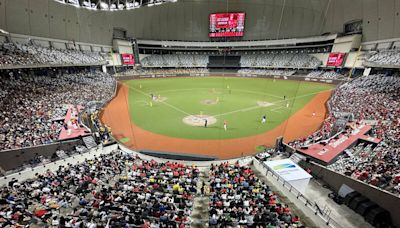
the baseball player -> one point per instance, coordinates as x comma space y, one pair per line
264, 119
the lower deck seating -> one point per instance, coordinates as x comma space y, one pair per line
238, 197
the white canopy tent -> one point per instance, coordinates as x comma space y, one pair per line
290, 172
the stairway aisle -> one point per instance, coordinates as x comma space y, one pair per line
200, 206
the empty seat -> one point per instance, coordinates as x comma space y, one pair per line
349, 197
365, 207
379, 217
357, 201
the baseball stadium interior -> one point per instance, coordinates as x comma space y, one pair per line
199, 113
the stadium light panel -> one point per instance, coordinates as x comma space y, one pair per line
103, 5
76, 2
129, 5
114, 4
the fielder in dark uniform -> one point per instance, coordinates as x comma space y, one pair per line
205, 123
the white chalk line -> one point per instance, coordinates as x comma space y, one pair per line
273, 103
233, 90
277, 108
230, 112
164, 102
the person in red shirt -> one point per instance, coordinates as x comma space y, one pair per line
296, 219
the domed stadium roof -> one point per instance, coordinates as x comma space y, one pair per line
114, 4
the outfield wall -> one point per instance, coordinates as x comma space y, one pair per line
222, 74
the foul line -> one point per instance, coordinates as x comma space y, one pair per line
239, 90
239, 110
273, 103
231, 112
279, 107
177, 109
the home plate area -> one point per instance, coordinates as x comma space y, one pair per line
199, 120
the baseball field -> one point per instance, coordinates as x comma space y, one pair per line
208, 115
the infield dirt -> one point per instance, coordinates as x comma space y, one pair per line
299, 125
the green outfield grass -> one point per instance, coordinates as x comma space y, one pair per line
237, 104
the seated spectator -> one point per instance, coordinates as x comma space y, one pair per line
374, 99
239, 198
35, 103
117, 189
14, 54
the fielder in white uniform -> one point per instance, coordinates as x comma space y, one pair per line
264, 119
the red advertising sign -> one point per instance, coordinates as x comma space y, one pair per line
127, 59
335, 59
226, 24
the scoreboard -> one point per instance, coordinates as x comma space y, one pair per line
227, 24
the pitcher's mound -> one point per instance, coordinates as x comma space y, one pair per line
160, 99
264, 103
199, 120
209, 102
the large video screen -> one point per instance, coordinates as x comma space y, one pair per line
226, 24
127, 59
335, 59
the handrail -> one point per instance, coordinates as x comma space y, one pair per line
308, 203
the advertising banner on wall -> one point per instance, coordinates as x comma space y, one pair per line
290, 172
335, 59
127, 59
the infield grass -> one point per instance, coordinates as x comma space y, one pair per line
237, 104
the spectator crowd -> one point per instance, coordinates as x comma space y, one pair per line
14, 54
293, 60
31, 103
282, 60
266, 72
374, 99
239, 199
113, 190
325, 74
175, 60
385, 57
169, 71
